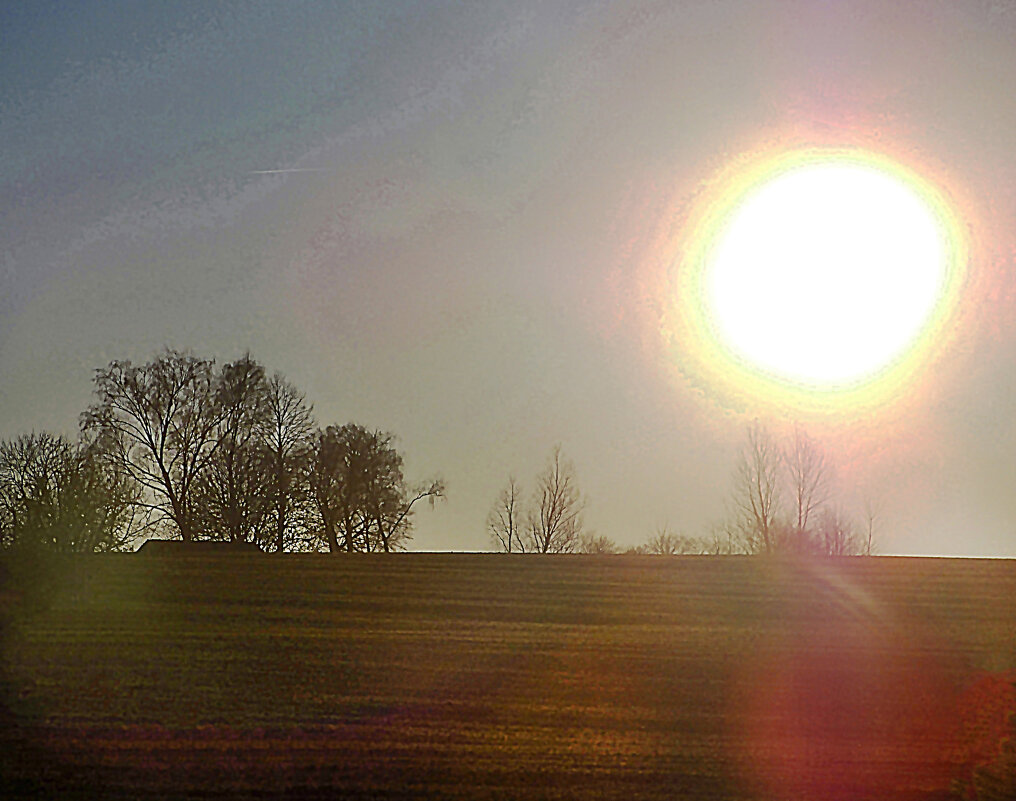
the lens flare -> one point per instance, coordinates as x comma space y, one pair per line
815, 276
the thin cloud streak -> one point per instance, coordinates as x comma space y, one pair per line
291, 169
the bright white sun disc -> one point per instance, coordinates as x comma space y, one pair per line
826, 273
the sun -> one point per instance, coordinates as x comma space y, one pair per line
805, 275
826, 273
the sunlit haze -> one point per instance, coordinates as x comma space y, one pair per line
626, 228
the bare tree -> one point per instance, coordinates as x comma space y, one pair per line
158, 421
668, 543
335, 497
345, 487
872, 514
383, 485
231, 493
809, 476
555, 519
388, 499
725, 539
103, 513
811, 526
30, 483
62, 496
596, 544
836, 535
287, 439
360, 491
756, 490
398, 524
504, 519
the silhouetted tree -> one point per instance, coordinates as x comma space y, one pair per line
158, 423
756, 490
809, 478
554, 522
389, 500
360, 492
872, 512
382, 483
835, 535
725, 539
340, 472
505, 518
231, 493
332, 489
62, 496
288, 444
803, 471
596, 544
668, 543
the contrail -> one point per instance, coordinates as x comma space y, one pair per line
290, 169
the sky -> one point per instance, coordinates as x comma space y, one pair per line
464, 222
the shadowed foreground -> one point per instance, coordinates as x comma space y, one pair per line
490, 676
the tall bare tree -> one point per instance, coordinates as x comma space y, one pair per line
158, 422
555, 520
504, 520
382, 483
872, 514
288, 441
232, 492
332, 491
756, 490
809, 477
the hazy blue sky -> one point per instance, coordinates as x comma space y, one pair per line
468, 257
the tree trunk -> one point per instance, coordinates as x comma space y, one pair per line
182, 519
281, 503
347, 534
281, 521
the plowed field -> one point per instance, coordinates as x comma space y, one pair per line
517, 677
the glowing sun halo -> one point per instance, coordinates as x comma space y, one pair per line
826, 273
818, 271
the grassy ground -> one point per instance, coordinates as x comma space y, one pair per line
489, 676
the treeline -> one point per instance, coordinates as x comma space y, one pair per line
178, 447
783, 500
